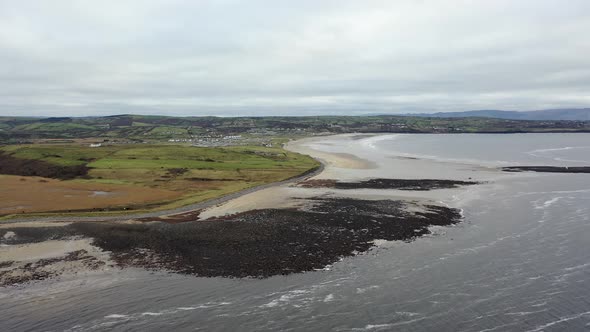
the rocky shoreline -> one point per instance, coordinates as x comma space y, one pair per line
398, 184
257, 243
13, 273
275, 229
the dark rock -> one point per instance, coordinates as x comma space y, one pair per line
548, 169
399, 184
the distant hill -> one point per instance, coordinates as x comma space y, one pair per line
139, 128
579, 114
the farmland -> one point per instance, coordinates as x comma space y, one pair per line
123, 178
155, 129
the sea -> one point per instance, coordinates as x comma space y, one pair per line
520, 260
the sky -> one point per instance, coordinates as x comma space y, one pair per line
279, 57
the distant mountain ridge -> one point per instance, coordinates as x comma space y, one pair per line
575, 114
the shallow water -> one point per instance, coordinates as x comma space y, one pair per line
520, 261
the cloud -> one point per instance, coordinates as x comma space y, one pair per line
288, 57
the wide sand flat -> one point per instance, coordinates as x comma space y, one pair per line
339, 160
287, 196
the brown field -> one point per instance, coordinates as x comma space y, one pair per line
35, 194
42, 178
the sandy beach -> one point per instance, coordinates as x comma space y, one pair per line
337, 165
284, 196
338, 160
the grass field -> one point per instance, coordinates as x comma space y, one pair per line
141, 177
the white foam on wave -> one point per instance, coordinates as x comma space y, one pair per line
119, 318
304, 297
372, 141
365, 289
541, 304
527, 193
407, 313
545, 153
554, 149
577, 267
285, 298
376, 326
524, 313
548, 203
559, 321
370, 327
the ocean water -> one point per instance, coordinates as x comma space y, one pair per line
519, 262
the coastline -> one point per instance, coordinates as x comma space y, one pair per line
336, 166
335, 159
266, 195
262, 227
535, 223
262, 195
283, 195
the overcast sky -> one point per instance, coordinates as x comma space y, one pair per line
295, 57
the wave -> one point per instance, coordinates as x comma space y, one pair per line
329, 298
371, 141
113, 319
543, 153
559, 321
557, 149
370, 327
527, 193
548, 203
460, 161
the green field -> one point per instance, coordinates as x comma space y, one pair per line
195, 172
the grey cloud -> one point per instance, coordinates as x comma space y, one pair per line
291, 57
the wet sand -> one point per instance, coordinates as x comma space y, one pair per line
284, 196
338, 167
338, 160
22, 263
